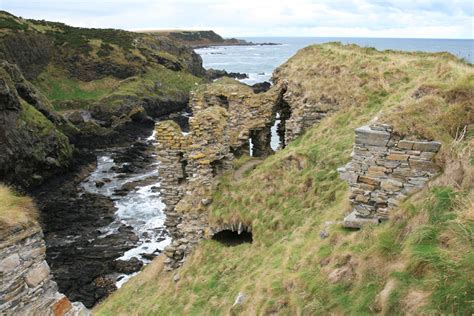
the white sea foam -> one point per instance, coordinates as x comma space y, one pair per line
142, 207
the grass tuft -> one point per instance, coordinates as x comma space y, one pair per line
15, 209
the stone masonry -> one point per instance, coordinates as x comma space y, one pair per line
384, 170
27, 287
250, 115
226, 116
189, 165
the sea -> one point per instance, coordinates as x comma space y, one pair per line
260, 61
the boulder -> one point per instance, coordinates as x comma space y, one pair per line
128, 266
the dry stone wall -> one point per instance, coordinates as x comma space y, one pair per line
27, 287
384, 170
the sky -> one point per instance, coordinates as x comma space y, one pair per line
245, 18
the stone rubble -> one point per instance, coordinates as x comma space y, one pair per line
384, 171
27, 287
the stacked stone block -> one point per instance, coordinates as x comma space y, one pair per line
171, 147
27, 287
384, 170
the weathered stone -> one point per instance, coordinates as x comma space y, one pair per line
362, 198
398, 157
383, 181
405, 144
62, 306
427, 155
10, 263
391, 185
354, 221
365, 135
427, 146
376, 171
424, 165
369, 180
27, 288
37, 275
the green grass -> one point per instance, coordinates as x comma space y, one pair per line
32, 121
169, 82
8, 22
58, 87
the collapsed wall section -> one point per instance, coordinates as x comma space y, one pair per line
227, 116
385, 170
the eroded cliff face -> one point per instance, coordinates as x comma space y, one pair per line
33, 140
27, 287
108, 82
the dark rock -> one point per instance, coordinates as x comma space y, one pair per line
129, 266
149, 256
213, 74
261, 87
99, 183
31, 150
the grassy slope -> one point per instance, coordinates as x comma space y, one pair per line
58, 87
422, 258
15, 209
100, 44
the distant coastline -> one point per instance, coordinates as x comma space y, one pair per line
203, 39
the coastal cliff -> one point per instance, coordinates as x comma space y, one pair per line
273, 236
66, 92
198, 39
27, 286
66, 87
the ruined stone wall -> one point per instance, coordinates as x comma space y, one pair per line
171, 146
384, 170
27, 287
226, 115
303, 114
250, 115
207, 154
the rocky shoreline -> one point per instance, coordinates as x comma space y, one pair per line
85, 240
79, 260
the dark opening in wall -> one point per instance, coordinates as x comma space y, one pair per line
184, 175
241, 151
224, 102
259, 142
232, 238
217, 167
284, 113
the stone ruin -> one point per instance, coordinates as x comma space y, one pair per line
384, 170
220, 129
227, 115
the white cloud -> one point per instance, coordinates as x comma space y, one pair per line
357, 18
